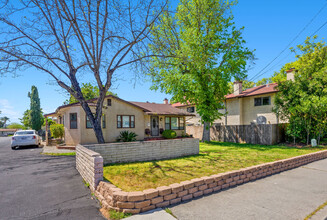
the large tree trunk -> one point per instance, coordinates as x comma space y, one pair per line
206, 131
96, 124
98, 131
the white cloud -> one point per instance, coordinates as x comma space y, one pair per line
8, 110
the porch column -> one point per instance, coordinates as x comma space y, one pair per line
46, 131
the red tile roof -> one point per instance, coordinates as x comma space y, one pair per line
258, 90
160, 109
149, 108
8, 130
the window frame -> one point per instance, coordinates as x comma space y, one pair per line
261, 101
179, 119
70, 120
131, 125
86, 120
103, 121
109, 102
191, 107
268, 100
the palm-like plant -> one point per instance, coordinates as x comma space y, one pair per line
127, 136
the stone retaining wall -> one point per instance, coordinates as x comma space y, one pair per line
90, 165
113, 197
146, 150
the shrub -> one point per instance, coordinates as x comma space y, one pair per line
126, 136
168, 134
57, 130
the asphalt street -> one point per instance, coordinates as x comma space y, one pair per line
35, 186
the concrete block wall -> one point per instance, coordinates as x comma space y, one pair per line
90, 165
145, 150
112, 197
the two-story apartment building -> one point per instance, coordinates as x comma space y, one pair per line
254, 105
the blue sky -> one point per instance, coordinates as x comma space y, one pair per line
270, 25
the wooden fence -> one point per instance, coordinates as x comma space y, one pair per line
266, 134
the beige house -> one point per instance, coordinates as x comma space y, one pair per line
147, 120
254, 105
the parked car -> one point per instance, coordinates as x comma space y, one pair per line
25, 138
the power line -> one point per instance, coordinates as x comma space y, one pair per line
303, 29
319, 28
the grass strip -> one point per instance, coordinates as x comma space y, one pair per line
60, 154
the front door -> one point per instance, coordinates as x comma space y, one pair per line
154, 126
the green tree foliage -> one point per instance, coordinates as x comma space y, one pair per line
57, 130
201, 50
3, 121
16, 126
36, 118
304, 102
25, 120
275, 78
89, 91
50, 122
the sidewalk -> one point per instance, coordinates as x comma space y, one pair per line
292, 194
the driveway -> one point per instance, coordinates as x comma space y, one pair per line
35, 186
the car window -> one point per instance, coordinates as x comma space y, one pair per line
24, 132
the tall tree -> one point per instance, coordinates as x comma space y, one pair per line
36, 119
304, 102
202, 50
67, 39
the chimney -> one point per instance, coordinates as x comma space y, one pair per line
237, 87
290, 74
165, 101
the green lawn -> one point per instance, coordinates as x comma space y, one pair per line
214, 158
61, 154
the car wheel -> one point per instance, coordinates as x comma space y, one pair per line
13, 148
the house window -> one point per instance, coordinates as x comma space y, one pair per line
266, 100
108, 102
63, 120
262, 101
88, 122
73, 120
125, 121
190, 109
103, 121
174, 123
